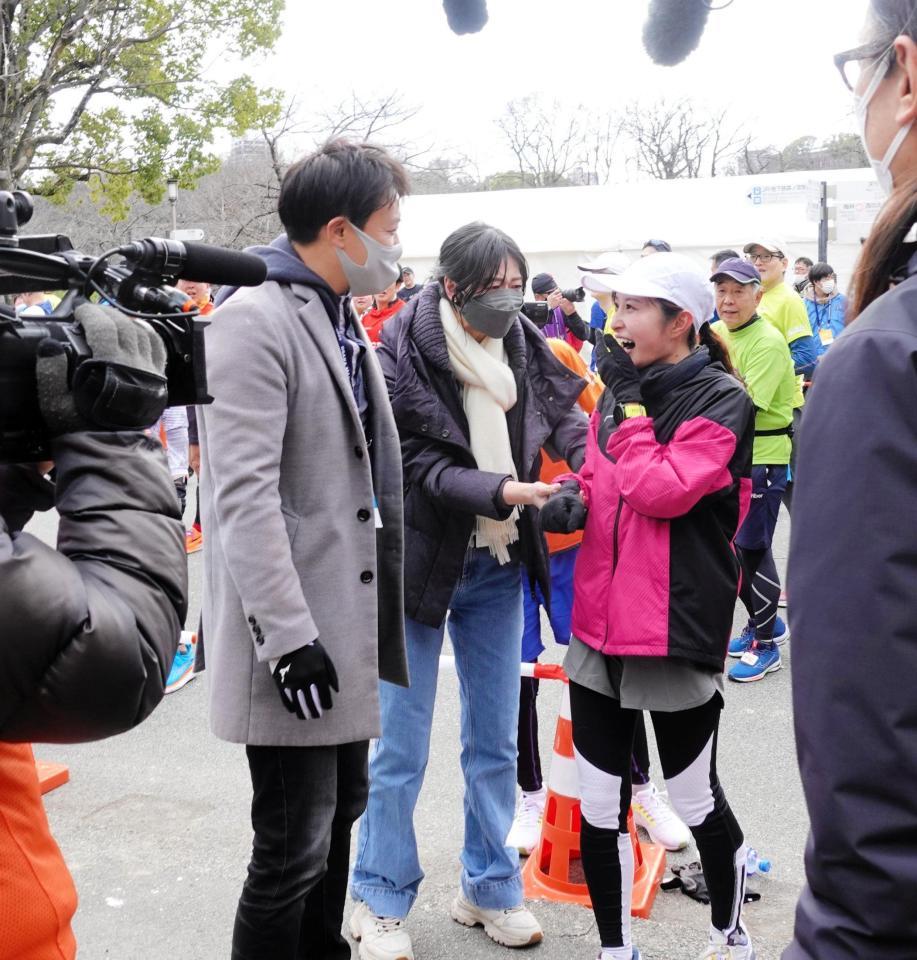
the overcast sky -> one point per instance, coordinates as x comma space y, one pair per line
769, 60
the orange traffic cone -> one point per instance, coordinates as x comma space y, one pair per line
547, 872
51, 775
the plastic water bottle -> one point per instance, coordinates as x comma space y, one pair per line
756, 864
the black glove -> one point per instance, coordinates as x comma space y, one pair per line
305, 679
617, 371
565, 512
122, 386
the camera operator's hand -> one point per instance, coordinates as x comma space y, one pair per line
565, 512
554, 299
305, 679
617, 371
122, 386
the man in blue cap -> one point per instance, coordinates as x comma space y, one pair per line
761, 356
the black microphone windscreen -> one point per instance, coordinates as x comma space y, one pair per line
673, 29
218, 266
466, 16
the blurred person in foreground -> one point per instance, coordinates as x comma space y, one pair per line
855, 629
89, 630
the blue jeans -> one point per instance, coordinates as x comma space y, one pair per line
485, 626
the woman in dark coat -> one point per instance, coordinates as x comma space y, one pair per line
476, 394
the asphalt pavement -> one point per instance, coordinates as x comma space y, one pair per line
155, 827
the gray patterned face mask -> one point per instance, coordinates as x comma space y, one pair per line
379, 271
493, 313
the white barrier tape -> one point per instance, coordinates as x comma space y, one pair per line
541, 671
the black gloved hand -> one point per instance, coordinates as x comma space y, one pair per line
305, 679
122, 386
565, 512
617, 371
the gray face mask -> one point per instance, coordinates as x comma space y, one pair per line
379, 271
494, 312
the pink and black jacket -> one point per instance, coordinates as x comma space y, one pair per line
657, 574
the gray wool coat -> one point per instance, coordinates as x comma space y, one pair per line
291, 549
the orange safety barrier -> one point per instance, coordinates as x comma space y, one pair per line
553, 871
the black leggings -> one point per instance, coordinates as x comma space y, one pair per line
528, 767
603, 735
760, 591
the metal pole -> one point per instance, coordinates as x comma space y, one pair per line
823, 224
174, 204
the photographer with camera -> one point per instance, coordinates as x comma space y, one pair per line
89, 630
564, 322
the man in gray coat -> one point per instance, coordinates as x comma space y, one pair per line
302, 497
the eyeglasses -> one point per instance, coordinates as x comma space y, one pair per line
761, 257
852, 63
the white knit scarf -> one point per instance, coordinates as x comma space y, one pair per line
489, 391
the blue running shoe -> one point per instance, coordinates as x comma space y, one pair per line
182, 671
781, 631
756, 664
738, 646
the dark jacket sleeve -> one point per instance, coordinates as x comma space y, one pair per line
89, 630
577, 326
433, 465
568, 439
853, 566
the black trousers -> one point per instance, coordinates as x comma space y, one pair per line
603, 735
304, 804
528, 767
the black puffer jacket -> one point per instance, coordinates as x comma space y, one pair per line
88, 631
444, 490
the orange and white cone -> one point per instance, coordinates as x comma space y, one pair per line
547, 872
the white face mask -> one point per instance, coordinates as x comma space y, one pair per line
828, 287
881, 168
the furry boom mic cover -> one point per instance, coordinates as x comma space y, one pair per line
466, 16
673, 29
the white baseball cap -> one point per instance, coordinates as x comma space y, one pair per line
609, 262
667, 276
771, 246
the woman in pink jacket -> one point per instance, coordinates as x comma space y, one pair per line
664, 488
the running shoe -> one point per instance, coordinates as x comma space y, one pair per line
512, 927
782, 601
380, 938
739, 645
781, 631
756, 664
652, 812
525, 832
182, 671
738, 946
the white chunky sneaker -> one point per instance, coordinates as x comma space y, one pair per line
526, 829
514, 927
380, 938
652, 812
721, 948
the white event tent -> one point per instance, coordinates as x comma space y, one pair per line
560, 227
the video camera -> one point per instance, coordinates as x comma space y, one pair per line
138, 285
537, 310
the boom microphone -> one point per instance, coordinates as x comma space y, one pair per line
466, 16
196, 261
674, 28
